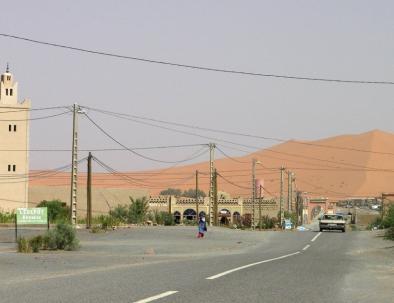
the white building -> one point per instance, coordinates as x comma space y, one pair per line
14, 145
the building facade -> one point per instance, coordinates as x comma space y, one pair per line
230, 211
14, 145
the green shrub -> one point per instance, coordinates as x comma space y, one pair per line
120, 212
66, 237
49, 240
6, 217
267, 222
58, 211
376, 223
23, 245
388, 220
168, 219
36, 243
389, 234
163, 218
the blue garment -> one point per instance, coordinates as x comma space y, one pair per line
202, 226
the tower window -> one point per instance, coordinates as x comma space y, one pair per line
14, 167
6, 91
11, 91
9, 167
9, 78
11, 127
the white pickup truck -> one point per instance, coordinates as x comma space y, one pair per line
332, 222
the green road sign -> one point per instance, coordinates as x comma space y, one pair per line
37, 215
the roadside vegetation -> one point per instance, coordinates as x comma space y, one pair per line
7, 217
138, 212
58, 211
63, 237
386, 223
190, 193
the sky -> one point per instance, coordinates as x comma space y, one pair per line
328, 39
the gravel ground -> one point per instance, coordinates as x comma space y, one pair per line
371, 274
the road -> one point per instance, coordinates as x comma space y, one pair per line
171, 265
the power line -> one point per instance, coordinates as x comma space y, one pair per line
131, 150
232, 183
34, 109
101, 149
238, 133
33, 119
247, 146
194, 67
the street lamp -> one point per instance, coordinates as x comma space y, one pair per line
254, 162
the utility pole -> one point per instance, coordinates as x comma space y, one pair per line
197, 213
211, 184
215, 198
89, 193
282, 169
74, 166
260, 198
253, 191
293, 191
289, 190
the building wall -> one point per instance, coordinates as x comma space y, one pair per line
242, 206
103, 199
14, 145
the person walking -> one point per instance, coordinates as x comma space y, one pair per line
202, 227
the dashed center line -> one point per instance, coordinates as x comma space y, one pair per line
315, 237
159, 296
250, 265
306, 247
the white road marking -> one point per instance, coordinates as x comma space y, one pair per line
250, 265
159, 296
306, 247
315, 237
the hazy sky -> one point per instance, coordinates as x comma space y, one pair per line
333, 39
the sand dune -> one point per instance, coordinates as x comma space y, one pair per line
321, 168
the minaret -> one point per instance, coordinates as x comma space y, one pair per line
14, 145
8, 88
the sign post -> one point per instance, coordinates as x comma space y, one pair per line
31, 216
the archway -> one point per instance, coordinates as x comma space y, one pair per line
224, 216
236, 217
177, 217
189, 214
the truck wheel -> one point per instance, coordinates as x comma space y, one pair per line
343, 230
321, 229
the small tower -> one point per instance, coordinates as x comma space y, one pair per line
14, 145
8, 88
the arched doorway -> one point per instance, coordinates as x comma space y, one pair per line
224, 216
189, 214
177, 217
236, 218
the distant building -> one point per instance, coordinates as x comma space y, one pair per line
14, 145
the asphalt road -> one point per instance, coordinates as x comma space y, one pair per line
171, 265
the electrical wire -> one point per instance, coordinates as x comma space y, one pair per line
249, 146
193, 67
131, 150
38, 118
238, 133
34, 109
